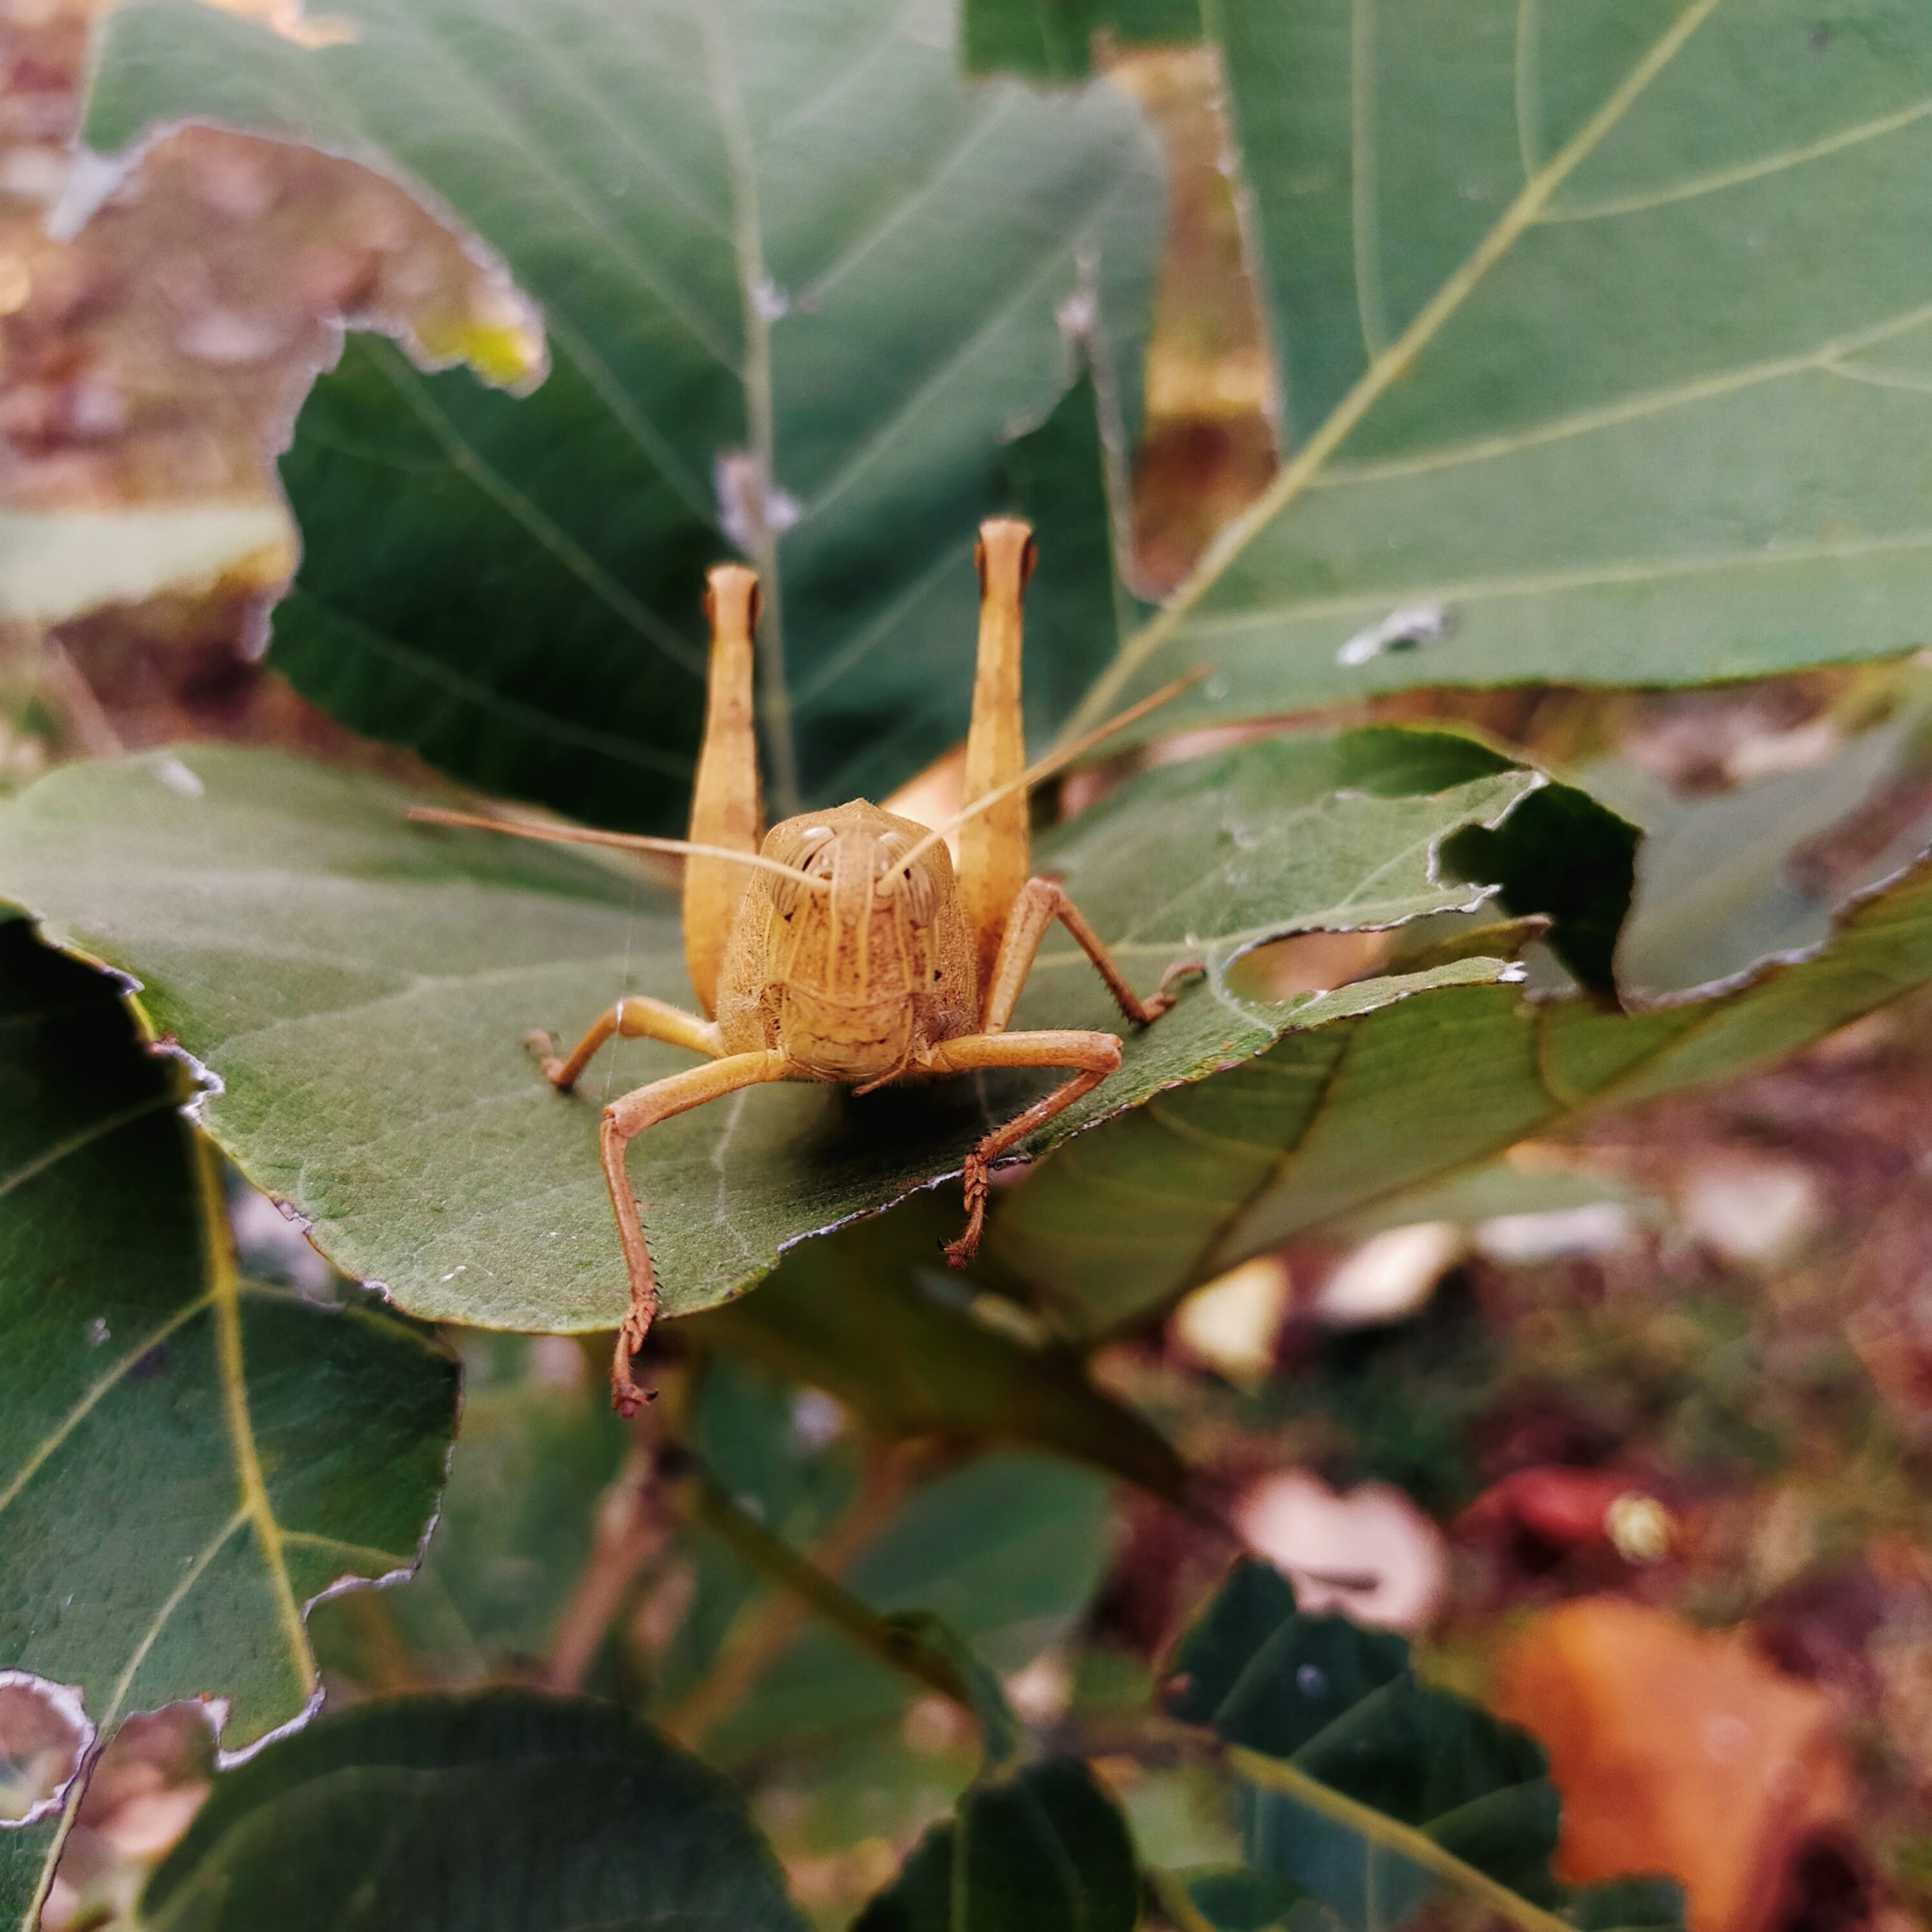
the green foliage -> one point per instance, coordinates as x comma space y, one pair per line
1331, 1124
1006, 1551
786, 312
25, 1853
872, 1315
502, 1810
1043, 1850
1368, 1786
190, 1459
1588, 373
351, 978
1053, 39
1600, 333
517, 1524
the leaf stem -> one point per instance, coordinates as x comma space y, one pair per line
711, 1506
1277, 1774
225, 1292
632, 1527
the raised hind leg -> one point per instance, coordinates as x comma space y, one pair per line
727, 809
993, 846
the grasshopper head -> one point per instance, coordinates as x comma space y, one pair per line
861, 852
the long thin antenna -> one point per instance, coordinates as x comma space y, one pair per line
1056, 761
623, 842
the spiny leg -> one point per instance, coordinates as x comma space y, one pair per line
993, 847
626, 1118
637, 1017
1095, 1055
1040, 902
727, 809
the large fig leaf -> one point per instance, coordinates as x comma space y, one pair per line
505, 1812
1336, 1122
799, 280
1370, 1787
1605, 332
360, 988
189, 1460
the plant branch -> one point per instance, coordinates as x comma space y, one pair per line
807, 1588
1418, 1847
633, 1526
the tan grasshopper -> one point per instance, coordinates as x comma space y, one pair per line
841, 946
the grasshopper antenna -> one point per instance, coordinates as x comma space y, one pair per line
622, 841
1056, 761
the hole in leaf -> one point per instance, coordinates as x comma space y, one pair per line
43, 1734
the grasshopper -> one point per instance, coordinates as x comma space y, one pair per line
841, 945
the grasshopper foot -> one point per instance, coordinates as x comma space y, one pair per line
1162, 999
627, 1396
960, 1252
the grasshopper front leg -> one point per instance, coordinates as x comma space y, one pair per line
1094, 1055
637, 1017
624, 1120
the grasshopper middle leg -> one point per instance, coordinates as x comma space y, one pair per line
637, 1017
1040, 902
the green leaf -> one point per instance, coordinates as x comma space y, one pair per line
872, 1315
1234, 1899
1501, 1189
1068, 478
26, 1855
768, 1454
1038, 1852
799, 280
448, 1814
361, 987
1369, 1786
516, 1526
190, 1459
1006, 1551
1605, 340
1332, 1125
